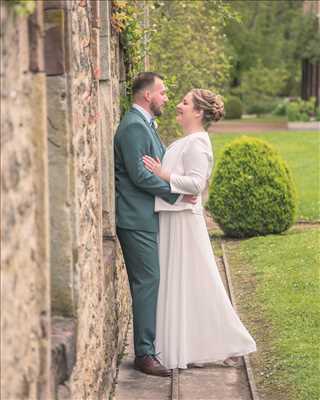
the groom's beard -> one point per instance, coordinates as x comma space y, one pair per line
156, 110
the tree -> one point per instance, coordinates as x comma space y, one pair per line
272, 34
188, 47
259, 87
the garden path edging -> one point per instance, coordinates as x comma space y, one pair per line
247, 363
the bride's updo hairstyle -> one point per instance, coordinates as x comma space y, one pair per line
211, 104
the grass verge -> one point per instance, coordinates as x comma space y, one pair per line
276, 282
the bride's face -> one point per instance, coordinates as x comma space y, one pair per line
186, 114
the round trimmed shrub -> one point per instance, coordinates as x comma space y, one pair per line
252, 192
233, 108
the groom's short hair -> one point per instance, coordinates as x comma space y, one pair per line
144, 80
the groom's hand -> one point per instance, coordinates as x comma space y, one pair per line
189, 198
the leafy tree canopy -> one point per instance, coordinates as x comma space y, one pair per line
188, 46
275, 35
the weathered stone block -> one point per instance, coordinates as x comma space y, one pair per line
35, 26
63, 357
54, 4
63, 348
95, 50
24, 212
54, 25
23, 45
64, 392
107, 159
61, 198
95, 7
105, 57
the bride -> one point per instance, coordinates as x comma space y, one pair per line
196, 322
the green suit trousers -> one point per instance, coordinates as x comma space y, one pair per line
140, 251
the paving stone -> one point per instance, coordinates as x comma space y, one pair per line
213, 383
135, 385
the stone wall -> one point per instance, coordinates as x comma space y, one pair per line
25, 306
100, 269
58, 185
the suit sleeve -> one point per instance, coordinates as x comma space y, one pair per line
197, 160
135, 142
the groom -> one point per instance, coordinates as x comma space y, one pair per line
137, 223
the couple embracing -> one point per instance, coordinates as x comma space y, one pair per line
182, 314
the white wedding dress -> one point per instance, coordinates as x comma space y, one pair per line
196, 322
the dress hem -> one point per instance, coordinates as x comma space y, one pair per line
217, 358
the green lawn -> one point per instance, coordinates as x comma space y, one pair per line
276, 280
302, 152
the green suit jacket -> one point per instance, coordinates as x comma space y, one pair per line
136, 187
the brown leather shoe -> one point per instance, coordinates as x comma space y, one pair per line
151, 365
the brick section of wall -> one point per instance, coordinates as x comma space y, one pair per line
24, 211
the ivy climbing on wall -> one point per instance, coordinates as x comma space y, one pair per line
22, 7
127, 21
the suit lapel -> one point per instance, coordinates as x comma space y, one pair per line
163, 149
153, 132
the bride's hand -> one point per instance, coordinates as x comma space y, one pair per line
152, 165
